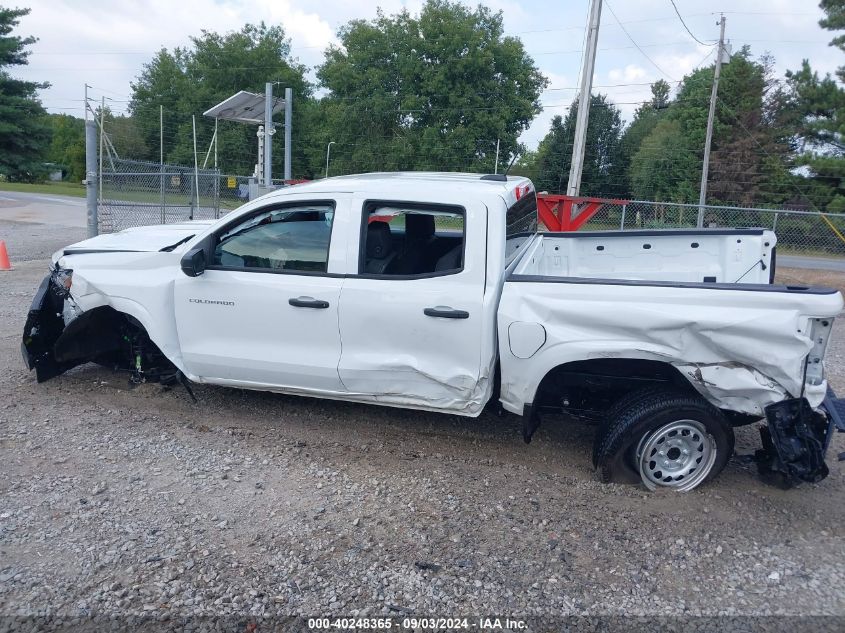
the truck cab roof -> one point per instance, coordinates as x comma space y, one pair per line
510, 188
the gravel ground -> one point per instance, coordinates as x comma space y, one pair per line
29, 241
137, 501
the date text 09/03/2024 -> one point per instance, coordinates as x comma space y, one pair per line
417, 623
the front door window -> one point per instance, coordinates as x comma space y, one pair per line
286, 239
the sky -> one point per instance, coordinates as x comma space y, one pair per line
105, 43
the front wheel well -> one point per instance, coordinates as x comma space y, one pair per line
93, 334
116, 339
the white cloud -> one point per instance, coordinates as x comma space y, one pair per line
306, 28
677, 64
107, 44
630, 74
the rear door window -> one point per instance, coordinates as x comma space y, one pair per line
412, 239
520, 224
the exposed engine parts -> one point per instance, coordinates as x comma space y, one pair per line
58, 337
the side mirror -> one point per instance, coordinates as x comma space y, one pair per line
193, 262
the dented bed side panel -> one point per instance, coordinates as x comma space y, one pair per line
742, 350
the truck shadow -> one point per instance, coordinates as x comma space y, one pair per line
562, 444
559, 438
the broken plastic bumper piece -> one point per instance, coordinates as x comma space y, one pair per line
44, 325
796, 439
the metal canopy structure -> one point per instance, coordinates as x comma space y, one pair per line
244, 107
257, 109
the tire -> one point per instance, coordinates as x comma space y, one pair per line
662, 438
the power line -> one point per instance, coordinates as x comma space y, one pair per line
625, 31
685, 25
703, 59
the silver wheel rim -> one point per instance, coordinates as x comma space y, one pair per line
678, 455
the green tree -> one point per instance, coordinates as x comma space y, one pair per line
819, 104
751, 153
662, 157
188, 81
160, 101
602, 174
433, 91
125, 136
750, 149
24, 131
67, 145
646, 118
124, 139
834, 20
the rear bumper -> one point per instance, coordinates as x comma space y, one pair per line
796, 440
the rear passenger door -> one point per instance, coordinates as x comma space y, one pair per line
410, 312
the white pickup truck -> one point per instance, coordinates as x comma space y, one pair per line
436, 292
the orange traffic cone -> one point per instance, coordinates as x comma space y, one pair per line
4, 257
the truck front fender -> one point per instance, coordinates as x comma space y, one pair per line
57, 337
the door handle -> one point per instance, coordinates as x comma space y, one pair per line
308, 302
446, 312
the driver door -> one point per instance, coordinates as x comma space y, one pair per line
265, 311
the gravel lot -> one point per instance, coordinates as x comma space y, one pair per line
122, 501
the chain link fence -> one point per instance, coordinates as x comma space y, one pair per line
140, 193
234, 191
809, 233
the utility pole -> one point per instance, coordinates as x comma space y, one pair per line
574, 186
90, 169
288, 129
102, 136
161, 160
161, 135
259, 166
268, 134
196, 170
328, 153
702, 195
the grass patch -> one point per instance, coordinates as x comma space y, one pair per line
49, 188
150, 196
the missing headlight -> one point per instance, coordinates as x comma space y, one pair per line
62, 279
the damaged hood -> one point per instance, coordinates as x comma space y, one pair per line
140, 239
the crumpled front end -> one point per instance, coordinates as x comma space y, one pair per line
45, 323
59, 335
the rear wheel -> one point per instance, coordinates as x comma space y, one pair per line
663, 439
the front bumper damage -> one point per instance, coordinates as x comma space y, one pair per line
45, 324
58, 336
796, 439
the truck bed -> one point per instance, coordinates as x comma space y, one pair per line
693, 256
701, 301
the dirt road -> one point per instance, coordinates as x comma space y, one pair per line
123, 501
